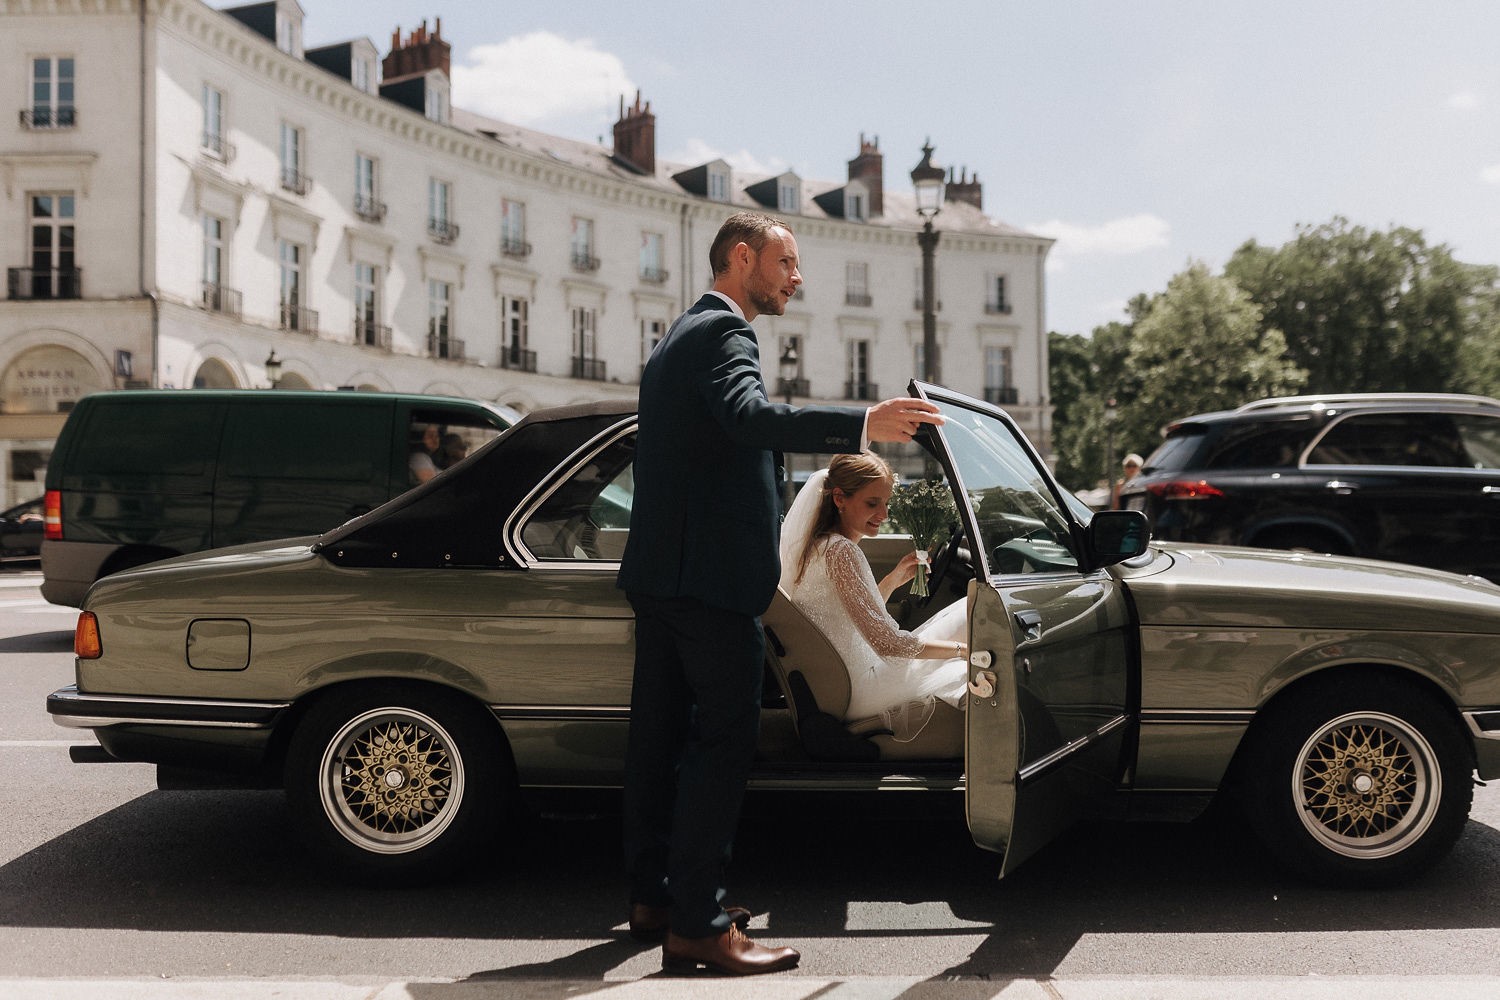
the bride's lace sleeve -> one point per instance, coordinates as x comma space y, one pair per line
855, 585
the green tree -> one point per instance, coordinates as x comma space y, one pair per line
1201, 346
1362, 310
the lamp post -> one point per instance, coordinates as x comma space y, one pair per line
1109, 448
787, 368
927, 179
273, 368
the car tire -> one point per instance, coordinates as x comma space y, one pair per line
397, 782
1362, 783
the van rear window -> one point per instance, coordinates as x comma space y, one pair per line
126, 438
311, 440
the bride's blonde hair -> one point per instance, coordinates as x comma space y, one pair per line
847, 474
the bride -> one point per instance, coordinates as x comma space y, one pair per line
893, 674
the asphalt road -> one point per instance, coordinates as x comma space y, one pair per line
105, 878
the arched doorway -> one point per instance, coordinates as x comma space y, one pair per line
214, 374
291, 380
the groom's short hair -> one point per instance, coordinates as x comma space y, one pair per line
751, 228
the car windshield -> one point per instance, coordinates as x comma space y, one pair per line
1021, 525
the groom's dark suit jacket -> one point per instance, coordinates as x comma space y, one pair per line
706, 515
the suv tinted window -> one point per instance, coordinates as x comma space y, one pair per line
162, 440
1481, 437
1176, 452
312, 440
1425, 439
1257, 446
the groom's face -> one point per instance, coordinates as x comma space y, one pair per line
774, 275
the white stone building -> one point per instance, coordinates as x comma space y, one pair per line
187, 190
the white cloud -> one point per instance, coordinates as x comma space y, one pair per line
1490, 174
1463, 100
1118, 237
697, 151
540, 78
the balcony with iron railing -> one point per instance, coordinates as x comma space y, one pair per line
589, 368
64, 116
299, 318
441, 345
655, 275
44, 283
512, 247
219, 299
295, 181
997, 308
218, 148
372, 334
517, 358
852, 298
368, 208
1002, 395
442, 231
583, 261
861, 390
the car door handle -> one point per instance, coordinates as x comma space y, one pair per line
1031, 625
1341, 488
1491, 491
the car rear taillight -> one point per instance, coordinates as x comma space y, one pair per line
52, 515
1184, 489
86, 644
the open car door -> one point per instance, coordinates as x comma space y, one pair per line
1053, 690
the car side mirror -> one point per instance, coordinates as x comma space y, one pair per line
1117, 535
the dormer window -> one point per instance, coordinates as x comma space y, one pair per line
289, 29
437, 98
718, 182
856, 202
362, 74
788, 195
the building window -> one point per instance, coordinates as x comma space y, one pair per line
54, 272
368, 330
513, 229
440, 340
292, 157
362, 75
440, 224
652, 330
994, 296
718, 184
51, 94
217, 297
288, 35
586, 363
854, 205
436, 102
515, 333
857, 284
997, 377
294, 313
581, 245
213, 124
652, 245
788, 197
857, 383
367, 203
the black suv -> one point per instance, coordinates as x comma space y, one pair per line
1409, 477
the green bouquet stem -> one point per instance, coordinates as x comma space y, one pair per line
919, 582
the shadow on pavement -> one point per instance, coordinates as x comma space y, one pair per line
38, 642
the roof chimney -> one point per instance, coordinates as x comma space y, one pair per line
420, 53
635, 136
869, 166
965, 190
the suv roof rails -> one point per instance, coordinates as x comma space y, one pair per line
1290, 402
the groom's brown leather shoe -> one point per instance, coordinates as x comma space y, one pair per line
730, 953
649, 923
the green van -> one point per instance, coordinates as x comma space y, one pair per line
142, 475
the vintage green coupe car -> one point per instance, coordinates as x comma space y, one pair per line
405, 674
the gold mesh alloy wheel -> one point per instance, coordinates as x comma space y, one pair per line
391, 780
1366, 785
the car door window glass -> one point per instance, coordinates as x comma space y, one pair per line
587, 516
1021, 527
1481, 438
1392, 439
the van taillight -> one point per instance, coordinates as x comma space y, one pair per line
1185, 489
52, 515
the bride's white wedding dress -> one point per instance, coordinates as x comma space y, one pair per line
838, 592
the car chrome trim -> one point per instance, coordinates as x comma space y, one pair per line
76, 710
510, 532
1197, 716
1041, 766
597, 713
1484, 723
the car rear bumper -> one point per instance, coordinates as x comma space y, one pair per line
70, 707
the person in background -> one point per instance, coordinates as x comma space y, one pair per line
1130, 467
423, 459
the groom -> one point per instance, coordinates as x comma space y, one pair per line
699, 568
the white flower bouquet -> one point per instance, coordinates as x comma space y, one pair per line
925, 510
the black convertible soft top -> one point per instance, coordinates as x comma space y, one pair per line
457, 518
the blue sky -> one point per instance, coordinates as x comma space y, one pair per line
1142, 135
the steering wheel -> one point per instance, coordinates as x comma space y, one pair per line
939, 563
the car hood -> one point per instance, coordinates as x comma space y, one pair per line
1206, 585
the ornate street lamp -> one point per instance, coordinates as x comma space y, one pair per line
273, 368
787, 368
927, 179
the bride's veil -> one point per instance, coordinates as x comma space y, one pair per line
799, 521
